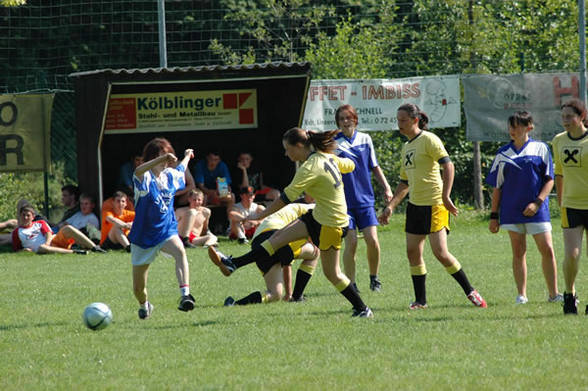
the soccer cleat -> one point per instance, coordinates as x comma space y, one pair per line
521, 299
128, 248
477, 299
229, 302
146, 313
365, 313
570, 305
375, 284
243, 241
586, 309
415, 305
98, 249
224, 263
300, 299
186, 303
79, 251
556, 299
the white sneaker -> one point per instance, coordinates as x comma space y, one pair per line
521, 299
556, 299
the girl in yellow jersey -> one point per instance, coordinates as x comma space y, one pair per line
319, 175
570, 158
427, 213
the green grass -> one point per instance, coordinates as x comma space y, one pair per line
314, 345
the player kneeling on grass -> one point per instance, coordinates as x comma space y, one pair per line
427, 213
36, 236
275, 268
155, 227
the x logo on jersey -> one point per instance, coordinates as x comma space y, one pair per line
408, 159
570, 155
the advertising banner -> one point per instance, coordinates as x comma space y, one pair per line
181, 111
377, 101
490, 99
25, 125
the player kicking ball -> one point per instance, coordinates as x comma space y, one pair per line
155, 228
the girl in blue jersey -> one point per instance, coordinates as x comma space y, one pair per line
522, 177
359, 193
155, 227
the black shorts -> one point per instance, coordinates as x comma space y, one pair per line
330, 236
283, 255
424, 220
572, 218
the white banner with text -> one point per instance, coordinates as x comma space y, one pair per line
377, 101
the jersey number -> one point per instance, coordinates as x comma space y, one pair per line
332, 169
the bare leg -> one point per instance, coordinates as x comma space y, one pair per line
548, 263
518, 243
370, 235
573, 250
140, 274
349, 254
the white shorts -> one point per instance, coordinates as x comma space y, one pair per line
528, 228
145, 256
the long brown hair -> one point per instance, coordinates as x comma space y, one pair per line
154, 148
324, 141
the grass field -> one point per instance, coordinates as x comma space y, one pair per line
314, 345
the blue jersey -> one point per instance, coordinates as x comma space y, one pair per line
357, 184
155, 220
203, 175
520, 175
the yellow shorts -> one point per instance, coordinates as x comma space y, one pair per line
324, 237
424, 220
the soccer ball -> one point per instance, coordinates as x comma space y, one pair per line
97, 316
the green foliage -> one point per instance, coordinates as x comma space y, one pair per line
30, 186
314, 345
12, 3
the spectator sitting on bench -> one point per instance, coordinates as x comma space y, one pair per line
244, 230
116, 224
193, 222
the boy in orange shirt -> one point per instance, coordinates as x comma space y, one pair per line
116, 224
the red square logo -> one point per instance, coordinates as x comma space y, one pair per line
246, 116
229, 101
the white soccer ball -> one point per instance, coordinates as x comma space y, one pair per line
97, 316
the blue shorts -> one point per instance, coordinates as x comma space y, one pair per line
362, 217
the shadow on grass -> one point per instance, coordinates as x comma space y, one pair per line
9, 327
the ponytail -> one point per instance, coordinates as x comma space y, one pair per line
414, 111
324, 141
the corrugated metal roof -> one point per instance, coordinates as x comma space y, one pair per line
270, 66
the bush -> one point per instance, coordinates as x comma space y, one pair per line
15, 186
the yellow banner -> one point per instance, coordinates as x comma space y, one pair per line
181, 111
25, 125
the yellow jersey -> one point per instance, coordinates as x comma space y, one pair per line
420, 167
570, 159
282, 217
320, 177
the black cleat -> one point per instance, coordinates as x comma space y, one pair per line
98, 249
186, 303
300, 299
79, 251
365, 313
375, 284
146, 313
229, 302
224, 263
570, 305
